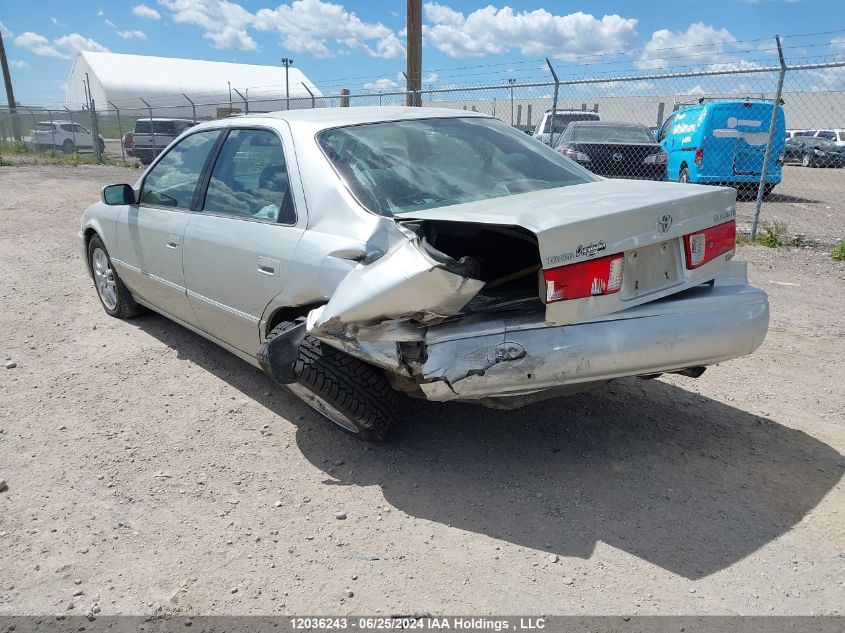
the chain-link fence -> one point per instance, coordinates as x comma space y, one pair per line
713, 126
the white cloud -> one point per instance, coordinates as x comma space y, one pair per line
55, 21
315, 27
100, 13
5, 31
143, 11
110, 23
133, 34
37, 44
700, 44
382, 85
838, 43
66, 46
310, 25
18, 63
224, 22
493, 31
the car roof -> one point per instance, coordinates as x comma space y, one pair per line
606, 124
335, 117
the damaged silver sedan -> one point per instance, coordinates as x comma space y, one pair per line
358, 254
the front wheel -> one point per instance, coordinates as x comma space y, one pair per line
683, 176
114, 296
67, 147
102, 146
807, 161
348, 392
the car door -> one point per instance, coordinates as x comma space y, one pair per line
239, 246
150, 236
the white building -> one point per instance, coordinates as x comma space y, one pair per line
124, 80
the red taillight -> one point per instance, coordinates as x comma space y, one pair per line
746, 105
699, 156
601, 276
707, 245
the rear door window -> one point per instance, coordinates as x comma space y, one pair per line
250, 179
828, 134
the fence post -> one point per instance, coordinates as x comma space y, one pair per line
313, 105
243, 98
52, 133
193, 107
344, 97
34, 122
95, 136
72, 126
119, 132
554, 105
761, 189
152, 127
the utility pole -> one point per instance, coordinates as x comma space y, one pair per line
413, 63
10, 94
228, 83
288, 63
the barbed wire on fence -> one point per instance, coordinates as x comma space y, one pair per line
813, 96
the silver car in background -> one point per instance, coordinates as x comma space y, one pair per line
357, 254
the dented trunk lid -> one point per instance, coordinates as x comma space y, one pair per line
596, 219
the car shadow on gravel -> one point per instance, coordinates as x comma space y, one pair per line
670, 476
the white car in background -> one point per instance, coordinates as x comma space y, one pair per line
835, 135
66, 136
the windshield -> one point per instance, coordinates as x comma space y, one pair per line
822, 143
611, 134
562, 119
402, 166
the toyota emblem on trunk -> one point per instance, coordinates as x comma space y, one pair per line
617, 157
664, 223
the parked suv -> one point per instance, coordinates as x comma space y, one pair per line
64, 135
151, 136
562, 119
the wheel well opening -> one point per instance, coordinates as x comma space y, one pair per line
288, 314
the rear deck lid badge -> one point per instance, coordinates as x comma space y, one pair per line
664, 223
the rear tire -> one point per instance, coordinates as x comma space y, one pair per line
353, 395
683, 175
114, 296
806, 161
67, 147
102, 147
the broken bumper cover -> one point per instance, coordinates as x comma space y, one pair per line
701, 326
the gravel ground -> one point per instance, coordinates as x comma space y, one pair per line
150, 471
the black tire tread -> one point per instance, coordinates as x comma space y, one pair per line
357, 389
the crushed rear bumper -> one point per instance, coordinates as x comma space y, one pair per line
702, 326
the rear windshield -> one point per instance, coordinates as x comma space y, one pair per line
402, 166
562, 119
167, 128
611, 134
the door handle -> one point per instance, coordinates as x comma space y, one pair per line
173, 241
269, 267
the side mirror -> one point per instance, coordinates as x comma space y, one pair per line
118, 194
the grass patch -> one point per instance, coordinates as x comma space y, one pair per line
838, 252
769, 234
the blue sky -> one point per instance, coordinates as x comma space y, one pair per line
360, 45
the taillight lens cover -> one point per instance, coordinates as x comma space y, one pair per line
705, 246
699, 156
595, 277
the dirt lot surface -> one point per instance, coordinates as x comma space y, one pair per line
149, 470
